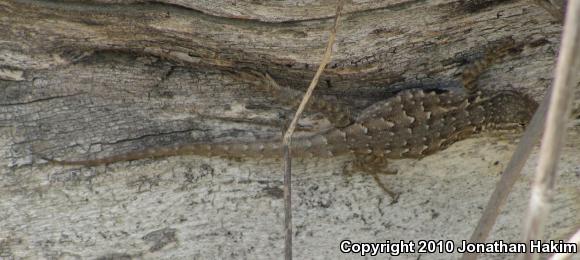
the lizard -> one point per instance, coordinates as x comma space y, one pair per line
413, 124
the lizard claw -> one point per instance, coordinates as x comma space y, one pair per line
374, 165
394, 195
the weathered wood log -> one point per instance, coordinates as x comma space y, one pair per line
82, 79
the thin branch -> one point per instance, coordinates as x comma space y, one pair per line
509, 177
553, 9
564, 256
555, 131
314, 82
287, 141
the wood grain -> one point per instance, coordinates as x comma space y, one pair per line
95, 78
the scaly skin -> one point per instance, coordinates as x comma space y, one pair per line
412, 124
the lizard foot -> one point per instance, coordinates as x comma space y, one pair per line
374, 165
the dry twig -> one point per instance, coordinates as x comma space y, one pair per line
563, 256
554, 8
287, 141
555, 131
510, 175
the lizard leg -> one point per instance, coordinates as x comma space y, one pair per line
338, 115
375, 165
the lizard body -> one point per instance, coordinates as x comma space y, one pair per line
413, 124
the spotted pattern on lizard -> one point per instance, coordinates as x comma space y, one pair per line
412, 124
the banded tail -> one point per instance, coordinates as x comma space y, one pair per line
242, 149
316, 145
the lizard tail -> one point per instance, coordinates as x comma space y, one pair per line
240, 149
312, 146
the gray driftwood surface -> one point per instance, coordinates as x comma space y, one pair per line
88, 78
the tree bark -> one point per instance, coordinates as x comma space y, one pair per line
82, 79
